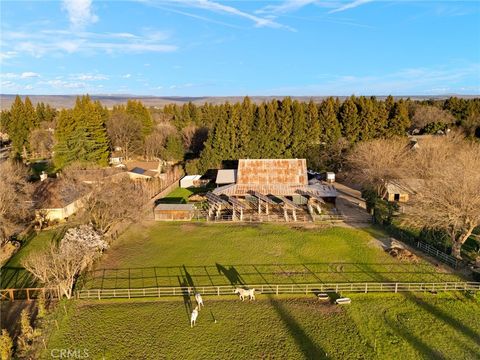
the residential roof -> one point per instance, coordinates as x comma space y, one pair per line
291, 172
146, 165
58, 193
404, 186
226, 176
175, 207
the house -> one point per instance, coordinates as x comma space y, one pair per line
226, 176
116, 158
402, 189
263, 188
144, 169
172, 212
58, 199
190, 181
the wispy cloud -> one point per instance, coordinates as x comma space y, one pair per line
412, 81
348, 6
80, 13
216, 7
58, 42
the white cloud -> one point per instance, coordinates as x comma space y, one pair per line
55, 42
89, 77
80, 13
351, 5
29, 74
127, 76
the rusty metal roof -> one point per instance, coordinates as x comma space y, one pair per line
277, 190
268, 172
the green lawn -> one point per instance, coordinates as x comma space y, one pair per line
201, 254
13, 275
181, 195
383, 326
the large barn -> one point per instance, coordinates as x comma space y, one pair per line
271, 190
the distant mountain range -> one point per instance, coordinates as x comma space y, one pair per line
67, 101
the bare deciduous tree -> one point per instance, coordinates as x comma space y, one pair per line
448, 197
113, 201
125, 131
375, 163
16, 208
41, 143
426, 114
59, 265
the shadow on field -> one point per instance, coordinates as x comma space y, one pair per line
16, 278
262, 274
306, 344
187, 301
231, 274
448, 319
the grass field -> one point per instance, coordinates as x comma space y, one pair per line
181, 195
383, 326
13, 274
199, 254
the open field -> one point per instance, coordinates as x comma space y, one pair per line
445, 326
200, 254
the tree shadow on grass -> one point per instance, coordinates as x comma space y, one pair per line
16, 278
231, 274
306, 344
187, 301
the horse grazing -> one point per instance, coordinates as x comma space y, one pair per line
244, 293
199, 300
193, 317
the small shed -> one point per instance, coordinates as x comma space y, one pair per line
171, 212
190, 181
226, 176
330, 177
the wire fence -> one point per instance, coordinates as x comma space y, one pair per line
368, 287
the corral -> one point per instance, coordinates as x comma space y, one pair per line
271, 190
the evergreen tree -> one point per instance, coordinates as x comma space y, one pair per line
140, 112
244, 128
30, 114
299, 130
349, 120
366, 115
284, 126
19, 127
330, 130
313, 124
273, 149
173, 148
398, 122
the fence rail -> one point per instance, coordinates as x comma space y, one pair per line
279, 289
432, 251
29, 293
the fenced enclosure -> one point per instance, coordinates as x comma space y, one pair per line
433, 251
277, 289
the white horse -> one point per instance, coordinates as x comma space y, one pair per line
193, 317
244, 293
199, 300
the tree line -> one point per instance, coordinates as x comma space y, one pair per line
205, 135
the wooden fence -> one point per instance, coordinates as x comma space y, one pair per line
29, 293
279, 289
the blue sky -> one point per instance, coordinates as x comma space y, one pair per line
222, 48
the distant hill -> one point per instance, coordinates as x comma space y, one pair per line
67, 101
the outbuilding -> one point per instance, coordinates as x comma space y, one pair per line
171, 212
190, 181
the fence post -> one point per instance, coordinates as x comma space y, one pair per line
306, 289
277, 290
28, 294
366, 288
99, 297
129, 293
218, 290
396, 288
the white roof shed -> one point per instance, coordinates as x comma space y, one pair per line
188, 181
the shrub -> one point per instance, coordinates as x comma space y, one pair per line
6, 345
